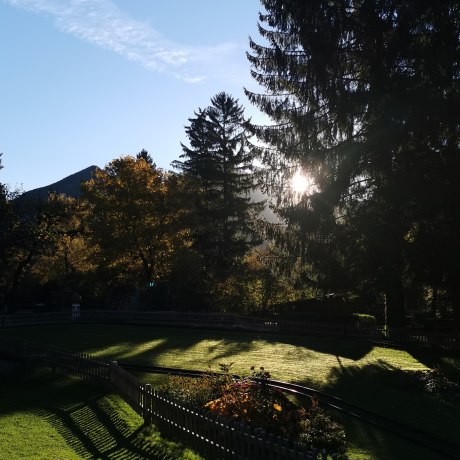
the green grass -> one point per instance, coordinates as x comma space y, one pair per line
371, 377
293, 358
53, 417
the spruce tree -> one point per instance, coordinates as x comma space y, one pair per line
144, 155
362, 93
218, 161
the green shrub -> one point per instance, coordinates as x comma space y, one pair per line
193, 391
436, 383
319, 431
364, 320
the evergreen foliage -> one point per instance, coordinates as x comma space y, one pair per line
364, 96
220, 165
144, 155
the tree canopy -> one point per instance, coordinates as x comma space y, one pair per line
136, 218
221, 165
31, 229
363, 96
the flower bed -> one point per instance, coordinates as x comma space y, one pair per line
258, 405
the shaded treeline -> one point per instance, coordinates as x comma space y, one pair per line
363, 96
142, 237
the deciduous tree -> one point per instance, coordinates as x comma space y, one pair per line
33, 230
137, 216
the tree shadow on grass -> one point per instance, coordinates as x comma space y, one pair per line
93, 430
84, 415
25, 388
231, 343
227, 347
342, 347
395, 394
369, 442
447, 362
86, 338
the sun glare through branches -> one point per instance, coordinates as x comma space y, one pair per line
302, 183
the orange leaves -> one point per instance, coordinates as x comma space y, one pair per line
138, 218
255, 404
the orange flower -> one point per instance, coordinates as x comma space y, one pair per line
212, 404
277, 407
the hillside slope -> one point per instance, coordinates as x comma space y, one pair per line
69, 186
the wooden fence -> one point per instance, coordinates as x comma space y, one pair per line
215, 438
57, 359
443, 339
210, 435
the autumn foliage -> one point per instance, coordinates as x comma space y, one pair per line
252, 401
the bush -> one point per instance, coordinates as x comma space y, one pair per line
194, 391
319, 431
257, 406
436, 383
253, 402
364, 320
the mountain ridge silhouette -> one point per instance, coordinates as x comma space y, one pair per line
69, 186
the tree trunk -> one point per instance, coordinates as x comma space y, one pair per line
395, 303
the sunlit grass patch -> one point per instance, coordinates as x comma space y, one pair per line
55, 417
126, 350
314, 361
29, 435
373, 377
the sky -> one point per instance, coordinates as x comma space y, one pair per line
83, 82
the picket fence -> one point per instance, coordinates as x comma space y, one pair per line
210, 435
409, 336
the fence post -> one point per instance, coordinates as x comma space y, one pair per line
147, 404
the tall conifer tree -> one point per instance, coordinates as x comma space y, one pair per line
363, 95
219, 162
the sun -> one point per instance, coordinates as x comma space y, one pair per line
301, 183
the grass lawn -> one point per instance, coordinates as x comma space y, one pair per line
53, 417
369, 376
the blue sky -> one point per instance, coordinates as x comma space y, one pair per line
86, 81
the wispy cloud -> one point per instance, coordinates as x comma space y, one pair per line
102, 23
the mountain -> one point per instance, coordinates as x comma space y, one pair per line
69, 186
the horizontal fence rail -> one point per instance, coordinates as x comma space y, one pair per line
422, 438
207, 433
59, 360
214, 437
443, 339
